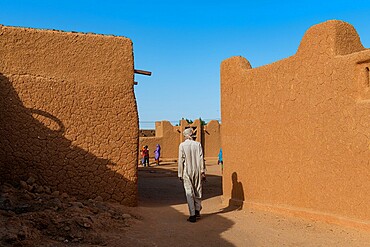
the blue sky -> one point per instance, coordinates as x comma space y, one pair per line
184, 42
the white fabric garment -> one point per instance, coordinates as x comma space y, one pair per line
190, 168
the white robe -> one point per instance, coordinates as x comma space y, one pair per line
190, 168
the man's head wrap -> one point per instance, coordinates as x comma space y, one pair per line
188, 132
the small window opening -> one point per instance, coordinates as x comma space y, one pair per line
367, 77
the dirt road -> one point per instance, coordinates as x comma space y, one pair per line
30, 217
163, 212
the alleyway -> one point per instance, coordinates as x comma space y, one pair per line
163, 212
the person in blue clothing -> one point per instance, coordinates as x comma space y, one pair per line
157, 154
220, 160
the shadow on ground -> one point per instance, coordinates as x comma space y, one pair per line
159, 186
163, 205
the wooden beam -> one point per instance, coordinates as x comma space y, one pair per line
143, 72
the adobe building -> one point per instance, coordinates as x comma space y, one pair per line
68, 115
295, 133
169, 138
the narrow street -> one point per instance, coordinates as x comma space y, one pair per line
163, 212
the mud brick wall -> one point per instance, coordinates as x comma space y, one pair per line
211, 139
295, 133
170, 137
68, 114
167, 136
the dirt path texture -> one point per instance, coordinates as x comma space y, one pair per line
163, 221
32, 215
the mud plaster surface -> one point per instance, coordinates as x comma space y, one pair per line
68, 112
296, 132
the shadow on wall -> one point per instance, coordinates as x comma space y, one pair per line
30, 148
237, 194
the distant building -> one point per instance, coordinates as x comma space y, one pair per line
169, 137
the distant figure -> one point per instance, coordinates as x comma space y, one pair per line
145, 154
142, 155
157, 154
191, 171
220, 160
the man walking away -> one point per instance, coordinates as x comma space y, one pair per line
191, 171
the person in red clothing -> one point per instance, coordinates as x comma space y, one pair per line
145, 154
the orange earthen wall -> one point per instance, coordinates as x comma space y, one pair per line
212, 139
167, 137
296, 133
170, 137
68, 114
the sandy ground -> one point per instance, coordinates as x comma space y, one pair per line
163, 212
34, 216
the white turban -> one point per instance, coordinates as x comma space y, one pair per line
188, 132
